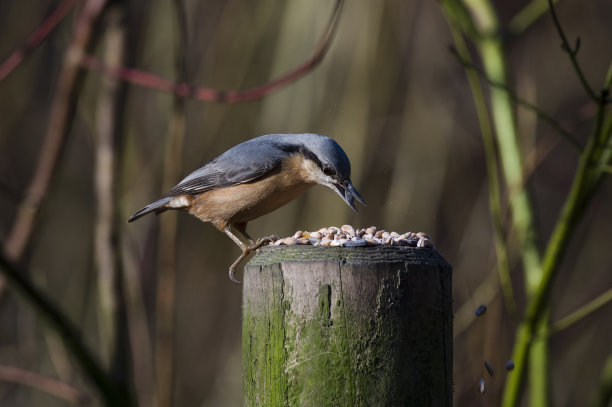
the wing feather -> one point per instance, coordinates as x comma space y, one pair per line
244, 163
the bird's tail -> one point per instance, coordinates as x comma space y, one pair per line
156, 206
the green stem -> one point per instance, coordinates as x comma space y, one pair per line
514, 382
490, 46
581, 312
604, 391
539, 366
605, 136
578, 198
503, 119
595, 156
580, 193
491, 50
503, 265
527, 16
545, 117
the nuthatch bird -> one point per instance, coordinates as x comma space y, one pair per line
255, 178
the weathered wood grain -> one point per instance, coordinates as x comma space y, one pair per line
341, 326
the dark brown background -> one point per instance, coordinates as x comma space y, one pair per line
388, 91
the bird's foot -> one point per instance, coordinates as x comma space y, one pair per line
234, 265
245, 252
263, 241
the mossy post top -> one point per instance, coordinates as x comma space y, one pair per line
412, 255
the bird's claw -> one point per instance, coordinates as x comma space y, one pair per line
261, 242
245, 252
234, 265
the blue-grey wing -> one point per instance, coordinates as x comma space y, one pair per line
244, 163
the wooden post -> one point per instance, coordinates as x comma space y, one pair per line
340, 326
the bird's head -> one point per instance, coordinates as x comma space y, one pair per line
331, 167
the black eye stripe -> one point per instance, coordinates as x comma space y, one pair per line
300, 149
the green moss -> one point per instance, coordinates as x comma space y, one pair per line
356, 341
320, 373
304, 253
264, 353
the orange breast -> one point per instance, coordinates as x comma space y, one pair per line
245, 202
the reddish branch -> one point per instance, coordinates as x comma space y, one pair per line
150, 80
43, 383
36, 38
60, 110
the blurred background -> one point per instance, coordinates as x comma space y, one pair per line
388, 91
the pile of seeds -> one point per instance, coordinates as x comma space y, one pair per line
348, 236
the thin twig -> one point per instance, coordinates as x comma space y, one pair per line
605, 136
43, 30
522, 102
60, 118
44, 383
572, 52
581, 313
184, 90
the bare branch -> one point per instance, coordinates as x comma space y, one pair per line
185, 90
44, 383
36, 38
572, 52
59, 124
522, 102
47, 310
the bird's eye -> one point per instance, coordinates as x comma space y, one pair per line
328, 171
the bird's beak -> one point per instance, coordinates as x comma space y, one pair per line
348, 193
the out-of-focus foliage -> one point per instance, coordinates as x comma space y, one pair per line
389, 91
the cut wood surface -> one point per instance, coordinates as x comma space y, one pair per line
339, 326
